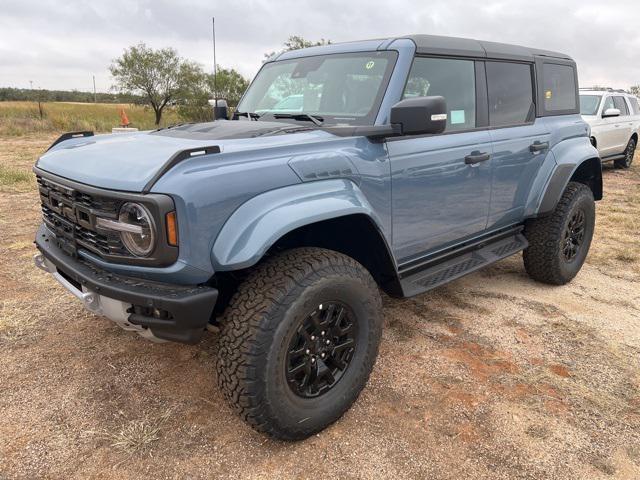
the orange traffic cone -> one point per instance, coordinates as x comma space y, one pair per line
124, 121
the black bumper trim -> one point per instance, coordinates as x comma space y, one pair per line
190, 306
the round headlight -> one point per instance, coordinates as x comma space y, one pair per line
140, 241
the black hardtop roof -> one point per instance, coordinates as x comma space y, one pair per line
467, 47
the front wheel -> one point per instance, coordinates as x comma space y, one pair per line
559, 242
629, 153
299, 340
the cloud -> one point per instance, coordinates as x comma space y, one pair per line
62, 44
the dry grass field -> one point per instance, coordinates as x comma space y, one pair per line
23, 118
492, 376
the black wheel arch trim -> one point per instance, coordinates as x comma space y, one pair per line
561, 177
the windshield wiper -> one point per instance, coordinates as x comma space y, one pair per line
249, 115
299, 116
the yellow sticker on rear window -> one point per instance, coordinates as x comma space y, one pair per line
370, 64
548, 94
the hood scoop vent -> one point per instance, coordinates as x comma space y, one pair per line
177, 158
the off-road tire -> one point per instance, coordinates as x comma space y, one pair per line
261, 318
544, 259
629, 153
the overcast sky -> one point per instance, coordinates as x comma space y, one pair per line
61, 44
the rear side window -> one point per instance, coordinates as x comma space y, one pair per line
621, 105
510, 93
559, 87
635, 106
452, 79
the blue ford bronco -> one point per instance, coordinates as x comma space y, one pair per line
397, 164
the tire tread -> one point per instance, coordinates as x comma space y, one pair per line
248, 326
541, 258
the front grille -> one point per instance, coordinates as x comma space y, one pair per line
71, 215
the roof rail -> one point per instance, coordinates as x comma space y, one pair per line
606, 89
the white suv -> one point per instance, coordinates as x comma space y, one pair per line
614, 118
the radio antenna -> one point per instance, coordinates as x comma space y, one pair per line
215, 65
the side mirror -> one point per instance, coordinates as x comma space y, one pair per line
220, 111
611, 112
420, 115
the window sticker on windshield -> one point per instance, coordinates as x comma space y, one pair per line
457, 116
370, 64
548, 94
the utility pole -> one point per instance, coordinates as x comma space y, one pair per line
31, 82
94, 90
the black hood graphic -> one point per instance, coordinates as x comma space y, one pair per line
230, 129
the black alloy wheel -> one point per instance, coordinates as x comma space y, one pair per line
321, 349
573, 235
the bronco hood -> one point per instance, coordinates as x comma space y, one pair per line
128, 162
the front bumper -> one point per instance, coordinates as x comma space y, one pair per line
156, 310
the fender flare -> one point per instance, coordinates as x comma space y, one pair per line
261, 221
570, 156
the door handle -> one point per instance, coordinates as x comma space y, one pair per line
538, 146
476, 157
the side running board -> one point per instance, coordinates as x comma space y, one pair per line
456, 266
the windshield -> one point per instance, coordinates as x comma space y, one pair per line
339, 88
589, 104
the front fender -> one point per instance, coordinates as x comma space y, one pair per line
258, 223
569, 155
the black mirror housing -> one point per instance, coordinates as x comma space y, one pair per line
420, 115
220, 109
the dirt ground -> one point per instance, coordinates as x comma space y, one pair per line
492, 376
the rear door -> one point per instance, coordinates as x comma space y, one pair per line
635, 113
441, 183
520, 140
623, 126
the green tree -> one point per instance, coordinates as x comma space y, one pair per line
194, 102
159, 75
296, 42
229, 85
635, 89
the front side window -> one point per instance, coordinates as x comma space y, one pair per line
589, 104
510, 93
608, 103
559, 87
452, 79
339, 88
621, 105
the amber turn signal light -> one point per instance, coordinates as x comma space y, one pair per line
172, 229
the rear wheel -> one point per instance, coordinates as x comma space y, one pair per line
298, 341
629, 153
559, 242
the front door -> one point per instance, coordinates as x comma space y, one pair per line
623, 125
610, 138
441, 183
